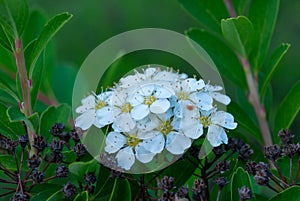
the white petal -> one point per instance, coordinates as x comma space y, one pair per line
87, 103
220, 98
160, 106
143, 155
166, 76
155, 144
104, 116
177, 143
162, 92
125, 122
114, 142
148, 124
146, 90
223, 119
149, 72
136, 99
85, 120
202, 100
105, 95
198, 85
139, 112
131, 80
216, 135
213, 88
125, 158
191, 127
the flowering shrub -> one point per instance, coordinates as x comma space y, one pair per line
164, 135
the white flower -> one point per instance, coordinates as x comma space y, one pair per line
165, 135
213, 92
121, 111
188, 94
129, 147
149, 98
95, 110
194, 122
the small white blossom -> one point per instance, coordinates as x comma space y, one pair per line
128, 147
95, 110
149, 98
215, 121
213, 92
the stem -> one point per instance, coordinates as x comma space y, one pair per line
278, 170
219, 194
254, 100
26, 108
272, 188
230, 8
297, 171
291, 170
253, 92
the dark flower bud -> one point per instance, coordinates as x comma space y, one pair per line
57, 129
8, 144
219, 151
80, 150
221, 181
33, 161
198, 188
57, 158
19, 196
90, 178
194, 151
245, 152
39, 142
273, 152
167, 183
69, 190
167, 196
182, 192
262, 174
64, 136
235, 144
289, 150
62, 171
90, 189
37, 177
23, 140
245, 193
298, 147
285, 136
251, 167
57, 146
76, 135
223, 166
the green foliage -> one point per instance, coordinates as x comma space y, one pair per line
238, 32
288, 109
239, 178
292, 193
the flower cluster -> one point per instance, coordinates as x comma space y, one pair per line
156, 110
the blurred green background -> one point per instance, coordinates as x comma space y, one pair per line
95, 21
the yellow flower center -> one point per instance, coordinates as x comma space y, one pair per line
205, 121
165, 127
132, 140
126, 107
148, 100
100, 104
182, 95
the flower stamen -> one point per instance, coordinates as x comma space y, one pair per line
126, 107
100, 104
205, 121
132, 140
165, 127
148, 100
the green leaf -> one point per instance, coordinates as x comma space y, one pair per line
263, 15
240, 6
13, 16
244, 120
272, 66
44, 191
5, 41
206, 12
239, 179
58, 195
79, 169
50, 29
288, 109
83, 196
7, 128
238, 32
10, 92
224, 58
51, 116
14, 114
292, 193
120, 191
